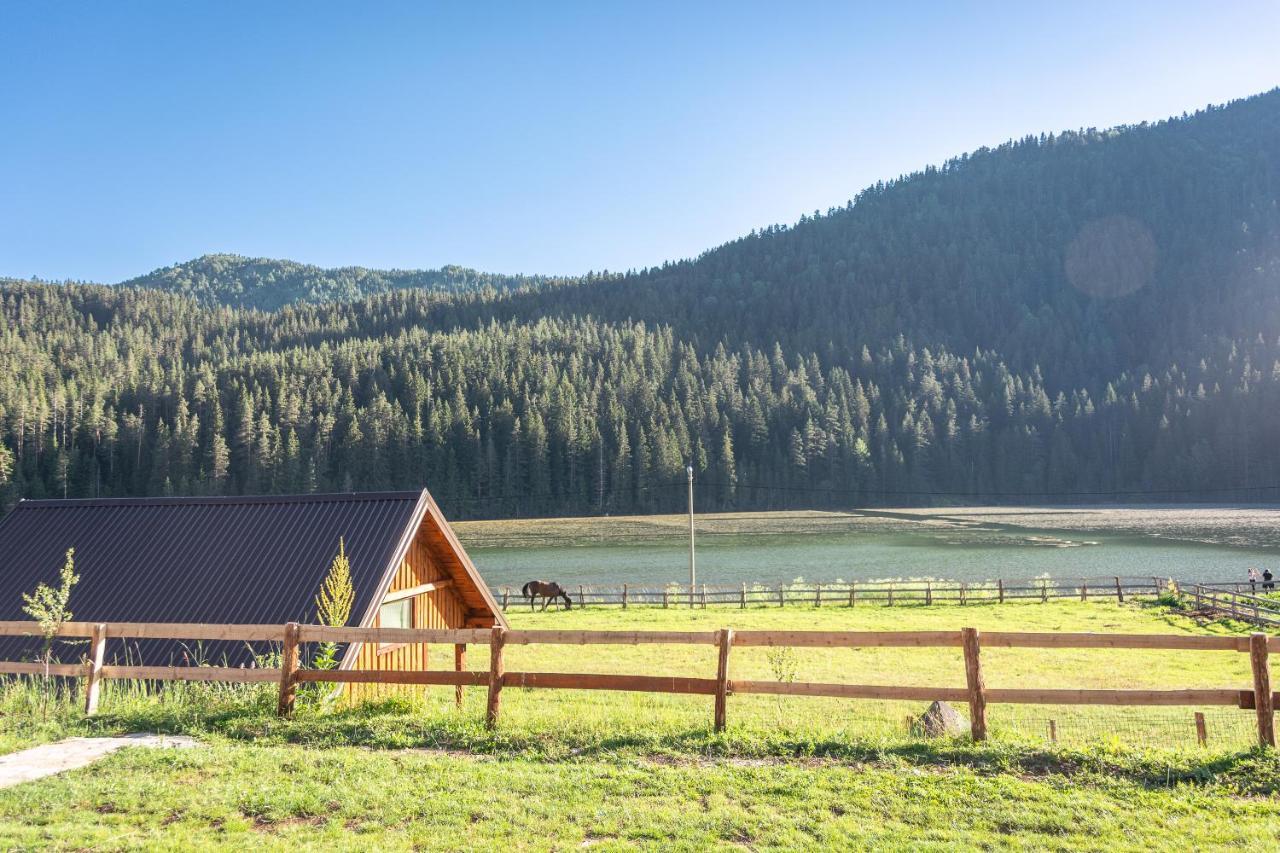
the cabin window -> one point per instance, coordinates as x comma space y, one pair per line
395, 614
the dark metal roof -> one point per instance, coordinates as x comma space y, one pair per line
217, 560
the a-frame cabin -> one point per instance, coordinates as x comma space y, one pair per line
244, 560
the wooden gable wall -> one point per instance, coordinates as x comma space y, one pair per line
440, 608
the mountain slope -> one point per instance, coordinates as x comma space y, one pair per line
1085, 253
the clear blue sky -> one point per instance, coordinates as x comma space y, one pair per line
551, 138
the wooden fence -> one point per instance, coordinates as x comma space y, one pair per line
291, 671
849, 594
1225, 600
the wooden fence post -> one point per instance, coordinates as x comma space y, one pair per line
725, 642
459, 665
1084, 590
963, 589
582, 600
93, 680
496, 672
704, 596
853, 593
744, 597
1155, 581
1262, 689
1202, 733
890, 595
782, 597
977, 690
1053, 730
1119, 592
624, 596
288, 670
1044, 592
928, 593
1000, 587
506, 594
817, 598
666, 594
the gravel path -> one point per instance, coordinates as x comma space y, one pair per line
69, 754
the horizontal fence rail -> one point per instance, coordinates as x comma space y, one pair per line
844, 593
291, 672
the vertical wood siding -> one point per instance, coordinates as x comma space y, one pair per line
437, 609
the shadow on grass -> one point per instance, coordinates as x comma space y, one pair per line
396, 724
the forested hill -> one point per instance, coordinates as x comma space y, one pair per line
268, 284
1084, 253
1088, 316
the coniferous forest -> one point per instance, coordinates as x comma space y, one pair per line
1089, 316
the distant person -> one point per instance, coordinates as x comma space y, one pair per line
1268, 582
1253, 579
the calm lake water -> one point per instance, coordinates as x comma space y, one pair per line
1206, 544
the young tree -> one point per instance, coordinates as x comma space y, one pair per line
48, 606
333, 604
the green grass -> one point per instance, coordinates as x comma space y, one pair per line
568, 767
345, 798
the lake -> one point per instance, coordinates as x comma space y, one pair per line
1204, 543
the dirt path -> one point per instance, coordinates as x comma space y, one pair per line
75, 752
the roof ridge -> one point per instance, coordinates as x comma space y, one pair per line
221, 500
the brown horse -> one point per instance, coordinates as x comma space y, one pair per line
547, 591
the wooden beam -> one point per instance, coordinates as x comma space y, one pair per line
1054, 640
496, 672
32, 629
722, 677
615, 638
847, 639
9, 667
460, 666
392, 676
977, 690
595, 681
234, 674
288, 670
1262, 697
1112, 697
420, 589
188, 631
442, 636
93, 679
849, 691
1000, 696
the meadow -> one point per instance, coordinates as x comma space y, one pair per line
564, 768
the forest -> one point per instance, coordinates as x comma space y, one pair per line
1089, 316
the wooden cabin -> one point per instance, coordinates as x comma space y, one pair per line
243, 560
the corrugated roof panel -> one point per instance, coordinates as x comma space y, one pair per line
217, 560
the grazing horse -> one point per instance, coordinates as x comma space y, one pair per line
546, 591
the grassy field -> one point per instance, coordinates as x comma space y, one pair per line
345, 798
606, 769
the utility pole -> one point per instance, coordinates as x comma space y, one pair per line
693, 571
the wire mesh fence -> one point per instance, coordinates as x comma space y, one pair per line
1214, 728
838, 593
